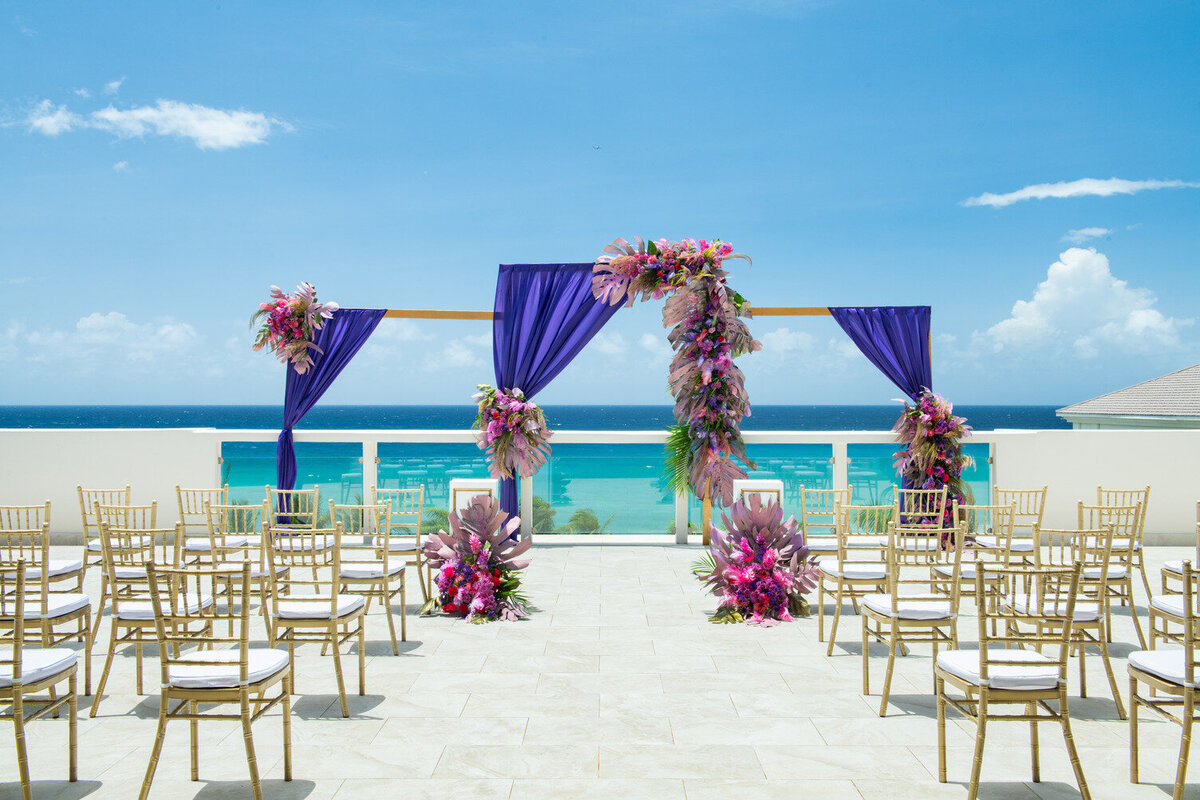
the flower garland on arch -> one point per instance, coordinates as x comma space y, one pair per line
707, 334
932, 455
513, 431
289, 322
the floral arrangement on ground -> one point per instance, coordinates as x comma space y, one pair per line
707, 334
932, 456
759, 567
289, 322
475, 564
513, 432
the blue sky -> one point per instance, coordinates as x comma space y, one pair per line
1030, 170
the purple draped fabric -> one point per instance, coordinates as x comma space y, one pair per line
545, 314
339, 339
895, 339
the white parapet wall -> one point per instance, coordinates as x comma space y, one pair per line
47, 464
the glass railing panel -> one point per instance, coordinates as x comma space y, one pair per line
407, 465
334, 467
797, 465
872, 473
603, 488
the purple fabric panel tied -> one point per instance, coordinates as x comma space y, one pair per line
895, 339
339, 339
544, 315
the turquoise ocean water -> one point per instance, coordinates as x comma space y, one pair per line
586, 488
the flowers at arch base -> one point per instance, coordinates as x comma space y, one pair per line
475, 564
759, 567
288, 323
513, 431
932, 454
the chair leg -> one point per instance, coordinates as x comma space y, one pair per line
1082, 646
247, 737
1133, 730
337, 669
287, 728
821, 610
403, 612
72, 730
194, 740
837, 615
1137, 625
18, 712
1185, 743
940, 693
887, 678
88, 641
157, 749
112, 649
385, 601
866, 688
980, 735
1065, 719
362, 656
1031, 710
1112, 679
104, 592
138, 668
1145, 580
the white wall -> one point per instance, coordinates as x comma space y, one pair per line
39, 464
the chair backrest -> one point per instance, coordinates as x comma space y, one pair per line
911, 558
313, 558
224, 522
127, 551
12, 620
295, 508
920, 508
1029, 606
30, 544
767, 489
407, 509
462, 490
996, 521
180, 620
1125, 522
191, 504
859, 539
365, 531
818, 509
1030, 506
90, 498
1127, 497
127, 516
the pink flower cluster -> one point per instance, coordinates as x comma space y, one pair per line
513, 432
654, 269
468, 585
932, 456
755, 585
289, 322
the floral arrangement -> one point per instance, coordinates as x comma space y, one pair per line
514, 432
932, 456
288, 324
475, 565
759, 567
707, 334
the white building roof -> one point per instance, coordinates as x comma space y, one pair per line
1174, 395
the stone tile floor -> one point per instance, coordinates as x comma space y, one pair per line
616, 687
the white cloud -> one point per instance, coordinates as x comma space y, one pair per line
109, 339
461, 353
1081, 235
208, 128
657, 347
121, 166
1081, 188
784, 340
613, 344
112, 87
84, 93
1083, 307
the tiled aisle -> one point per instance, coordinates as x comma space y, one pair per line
617, 687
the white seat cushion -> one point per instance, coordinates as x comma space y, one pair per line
257, 572
93, 545
1175, 567
54, 568
130, 573
1015, 546
916, 606
1036, 672
38, 664
218, 669
364, 570
854, 572
144, 609
823, 544
1084, 611
1169, 604
57, 605
203, 545
1115, 573
966, 570
399, 544
292, 608
1166, 664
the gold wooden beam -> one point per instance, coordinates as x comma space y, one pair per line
428, 313
789, 311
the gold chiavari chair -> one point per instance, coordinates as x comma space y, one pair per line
1092, 618
220, 671
235, 535
859, 567
127, 551
366, 567
45, 611
1172, 570
1030, 506
819, 517
92, 553
922, 511
405, 542
994, 524
912, 611
123, 515
21, 519
1172, 672
1124, 522
304, 610
1027, 606
25, 672
293, 508
1131, 497
194, 519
